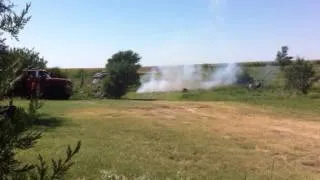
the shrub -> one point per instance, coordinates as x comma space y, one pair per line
300, 76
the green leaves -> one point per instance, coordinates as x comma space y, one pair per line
41, 168
300, 76
59, 167
128, 56
10, 21
28, 58
15, 134
16, 130
122, 70
282, 57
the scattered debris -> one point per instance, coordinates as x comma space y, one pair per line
185, 90
98, 77
255, 84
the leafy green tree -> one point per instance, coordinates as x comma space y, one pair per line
300, 76
11, 24
28, 58
282, 58
8, 71
122, 70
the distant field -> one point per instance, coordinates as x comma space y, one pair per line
145, 69
258, 69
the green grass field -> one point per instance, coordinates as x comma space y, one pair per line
224, 133
178, 139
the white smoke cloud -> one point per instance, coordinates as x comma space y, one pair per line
165, 79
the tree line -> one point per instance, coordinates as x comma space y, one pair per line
122, 68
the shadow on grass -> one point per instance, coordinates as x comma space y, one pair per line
48, 121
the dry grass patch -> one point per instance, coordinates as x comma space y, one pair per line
284, 138
199, 140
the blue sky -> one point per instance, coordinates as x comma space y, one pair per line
82, 33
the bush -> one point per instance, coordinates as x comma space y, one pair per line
122, 70
83, 93
300, 76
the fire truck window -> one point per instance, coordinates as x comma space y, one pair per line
32, 74
42, 74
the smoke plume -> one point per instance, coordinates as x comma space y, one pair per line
165, 79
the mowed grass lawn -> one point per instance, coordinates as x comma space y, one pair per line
162, 139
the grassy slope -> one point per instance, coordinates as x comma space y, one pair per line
123, 136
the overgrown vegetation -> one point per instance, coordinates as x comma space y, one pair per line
300, 76
28, 58
283, 59
17, 131
11, 23
122, 70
